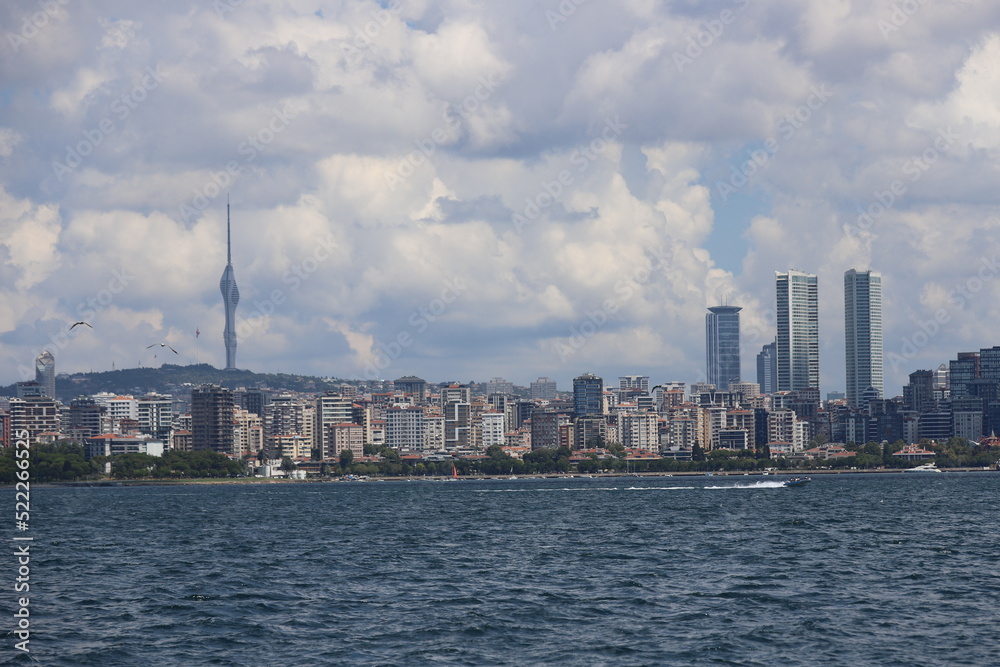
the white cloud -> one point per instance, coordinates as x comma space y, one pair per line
417, 134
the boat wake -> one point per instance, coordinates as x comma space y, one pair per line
756, 485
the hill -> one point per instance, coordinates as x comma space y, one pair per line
168, 377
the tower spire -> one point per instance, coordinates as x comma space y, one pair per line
230, 297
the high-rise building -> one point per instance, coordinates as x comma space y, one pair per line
545, 428
543, 388
255, 401
404, 427
212, 419
87, 418
634, 383
798, 330
230, 297
457, 425
155, 415
499, 385
412, 386
30, 389
767, 368
961, 372
863, 333
492, 429
331, 409
722, 345
588, 395
37, 415
45, 373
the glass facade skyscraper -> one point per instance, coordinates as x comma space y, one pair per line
588, 395
45, 373
722, 345
798, 330
863, 333
767, 368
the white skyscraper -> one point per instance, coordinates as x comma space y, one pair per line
798, 330
863, 333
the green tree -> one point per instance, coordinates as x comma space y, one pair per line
819, 439
390, 455
697, 453
346, 458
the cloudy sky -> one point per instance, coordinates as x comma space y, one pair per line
462, 189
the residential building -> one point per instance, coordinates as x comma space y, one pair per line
863, 333
404, 427
499, 385
413, 386
212, 419
492, 429
331, 408
544, 389
639, 430
635, 383
34, 415
347, 436
248, 432
545, 428
86, 419
155, 414
797, 344
918, 395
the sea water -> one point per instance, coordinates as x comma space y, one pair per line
857, 569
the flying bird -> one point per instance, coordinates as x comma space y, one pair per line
162, 345
76, 324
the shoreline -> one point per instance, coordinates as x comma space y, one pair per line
438, 478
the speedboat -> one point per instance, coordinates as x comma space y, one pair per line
926, 467
797, 481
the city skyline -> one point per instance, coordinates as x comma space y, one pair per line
460, 191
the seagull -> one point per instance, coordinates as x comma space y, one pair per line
162, 345
76, 324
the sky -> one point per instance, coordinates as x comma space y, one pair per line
464, 189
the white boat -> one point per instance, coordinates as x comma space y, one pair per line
926, 467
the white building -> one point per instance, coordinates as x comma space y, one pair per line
492, 429
155, 413
639, 430
404, 427
331, 410
119, 408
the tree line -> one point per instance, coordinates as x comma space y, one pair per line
63, 462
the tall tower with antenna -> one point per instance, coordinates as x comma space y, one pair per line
230, 297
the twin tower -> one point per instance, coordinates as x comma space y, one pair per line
796, 347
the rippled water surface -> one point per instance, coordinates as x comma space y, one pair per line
851, 569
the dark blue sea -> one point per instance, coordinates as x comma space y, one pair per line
865, 569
